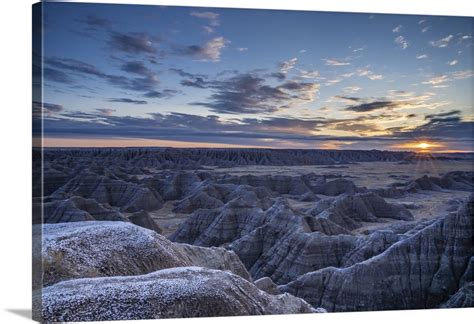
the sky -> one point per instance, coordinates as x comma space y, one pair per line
130, 75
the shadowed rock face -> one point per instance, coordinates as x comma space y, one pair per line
128, 196
100, 249
143, 219
177, 292
456, 180
76, 209
348, 211
420, 271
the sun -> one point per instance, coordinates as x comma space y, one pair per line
423, 145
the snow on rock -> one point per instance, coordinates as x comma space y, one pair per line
169, 293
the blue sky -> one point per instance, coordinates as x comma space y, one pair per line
125, 75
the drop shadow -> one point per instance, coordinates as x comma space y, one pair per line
25, 313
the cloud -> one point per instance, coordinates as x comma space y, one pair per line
94, 21
56, 76
425, 29
443, 42
453, 62
422, 21
439, 81
421, 56
136, 67
397, 29
210, 51
146, 80
105, 111
195, 83
132, 43
352, 89
166, 93
333, 62
242, 49
350, 99
442, 115
369, 74
400, 40
286, 66
43, 108
447, 126
309, 74
370, 106
249, 93
128, 100
211, 17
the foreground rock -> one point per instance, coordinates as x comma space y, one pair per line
102, 249
177, 292
421, 271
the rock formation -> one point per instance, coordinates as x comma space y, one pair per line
421, 271
176, 292
101, 249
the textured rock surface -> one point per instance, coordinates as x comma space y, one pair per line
193, 158
267, 285
76, 209
421, 271
100, 249
143, 219
348, 211
177, 292
456, 180
128, 196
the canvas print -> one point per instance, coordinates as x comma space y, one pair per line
193, 162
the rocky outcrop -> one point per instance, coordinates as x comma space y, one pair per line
349, 211
267, 285
103, 249
464, 297
177, 292
143, 219
456, 180
129, 197
336, 187
210, 196
420, 271
76, 209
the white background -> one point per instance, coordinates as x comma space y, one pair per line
15, 156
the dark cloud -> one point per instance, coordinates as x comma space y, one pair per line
196, 83
128, 100
280, 76
185, 74
94, 21
40, 109
446, 126
370, 106
248, 93
355, 99
146, 81
442, 115
56, 76
136, 67
166, 93
248, 131
210, 51
133, 43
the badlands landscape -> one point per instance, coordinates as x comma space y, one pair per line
138, 233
